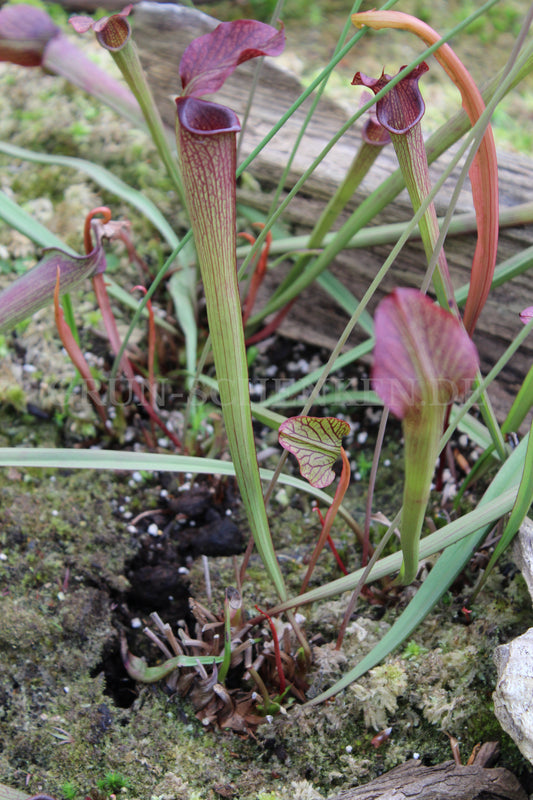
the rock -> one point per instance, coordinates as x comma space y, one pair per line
523, 553
512, 698
514, 662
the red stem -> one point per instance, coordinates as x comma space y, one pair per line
87, 240
257, 277
272, 326
344, 482
277, 652
110, 324
332, 547
151, 345
75, 354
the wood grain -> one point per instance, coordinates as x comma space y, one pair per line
447, 781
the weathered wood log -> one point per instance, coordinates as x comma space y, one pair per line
448, 781
162, 32
8, 793
411, 781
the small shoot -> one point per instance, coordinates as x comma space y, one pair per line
316, 443
232, 614
113, 782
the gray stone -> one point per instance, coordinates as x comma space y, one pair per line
513, 697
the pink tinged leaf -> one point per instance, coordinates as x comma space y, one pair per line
422, 353
526, 315
35, 289
401, 108
316, 443
25, 32
209, 60
81, 24
374, 133
112, 32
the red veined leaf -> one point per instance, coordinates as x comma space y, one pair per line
210, 59
316, 443
422, 353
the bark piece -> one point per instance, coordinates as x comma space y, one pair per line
447, 781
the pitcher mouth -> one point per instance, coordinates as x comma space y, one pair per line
204, 118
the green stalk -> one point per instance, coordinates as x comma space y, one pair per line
360, 166
128, 62
208, 161
520, 214
411, 154
422, 431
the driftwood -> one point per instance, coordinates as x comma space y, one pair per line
162, 31
409, 781
448, 781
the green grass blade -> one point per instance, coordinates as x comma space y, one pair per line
103, 178
521, 405
345, 299
181, 288
22, 222
454, 532
57, 458
506, 271
449, 565
474, 428
298, 386
523, 501
343, 399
